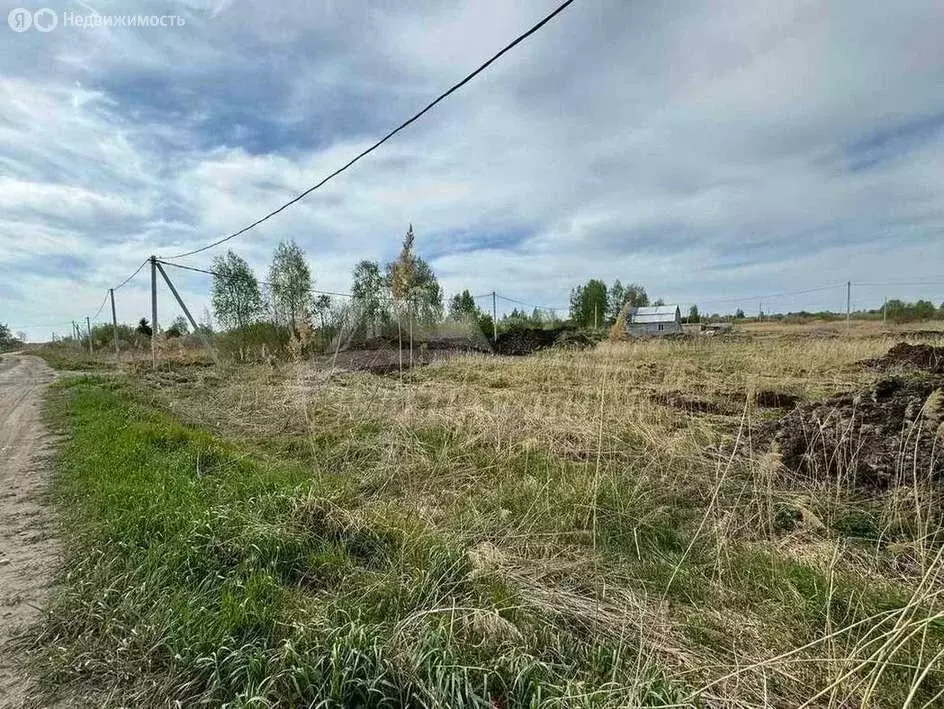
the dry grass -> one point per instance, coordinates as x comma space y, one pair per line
645, 530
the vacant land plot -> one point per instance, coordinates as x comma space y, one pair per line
609, 527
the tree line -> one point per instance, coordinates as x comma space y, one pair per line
894, 310
901, 311
395, 298
403, 292
595, 304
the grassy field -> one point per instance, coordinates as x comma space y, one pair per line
566, 529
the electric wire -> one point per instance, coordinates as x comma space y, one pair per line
136, 272
41, 325
455, 87
508, 298
772, 295
899, 284
527, 305
100, 307
265, 283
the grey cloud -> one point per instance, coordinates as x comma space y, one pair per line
703, 148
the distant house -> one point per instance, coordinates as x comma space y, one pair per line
653, 320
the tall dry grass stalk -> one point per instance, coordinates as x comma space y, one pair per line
670, 541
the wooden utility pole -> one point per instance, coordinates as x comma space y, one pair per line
114, 321
88, 329
848, 302
154, 312
183, 306
885, 312
594, 316
494, 320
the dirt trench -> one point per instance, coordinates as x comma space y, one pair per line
28, 551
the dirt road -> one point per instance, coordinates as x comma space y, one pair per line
27, 549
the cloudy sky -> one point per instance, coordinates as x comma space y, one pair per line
709, 150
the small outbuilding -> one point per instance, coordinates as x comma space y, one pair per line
653, 320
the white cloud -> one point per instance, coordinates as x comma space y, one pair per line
706, 149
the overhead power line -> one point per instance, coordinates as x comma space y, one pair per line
265, 283
136, 272
100, 307
41, 325
527, 305
900, 283
455, 87
518, 302
191, 268
773, 295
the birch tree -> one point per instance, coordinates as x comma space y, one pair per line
290, 284
237, 300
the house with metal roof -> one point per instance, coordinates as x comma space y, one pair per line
653, 320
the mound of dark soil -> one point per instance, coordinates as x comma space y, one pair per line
926, 334
524, 341
927, 358
451, 343
875, 438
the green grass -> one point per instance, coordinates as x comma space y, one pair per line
262, 536
197, 573
71, 358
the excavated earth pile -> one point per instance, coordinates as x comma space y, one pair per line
385, 355
926, 358
448, 343
879, 437
525, 341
